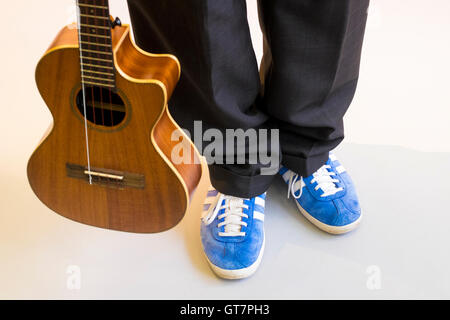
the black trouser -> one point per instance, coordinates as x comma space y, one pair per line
308, 75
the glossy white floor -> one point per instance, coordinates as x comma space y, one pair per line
397, 150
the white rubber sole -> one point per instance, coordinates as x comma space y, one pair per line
325, 227
238, 273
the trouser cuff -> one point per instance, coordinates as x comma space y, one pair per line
304, 166
233, 184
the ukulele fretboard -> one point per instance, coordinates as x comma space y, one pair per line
97, 60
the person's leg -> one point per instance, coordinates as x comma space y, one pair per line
310, 71
220, 80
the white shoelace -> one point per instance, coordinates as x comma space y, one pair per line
232, 216
324, 179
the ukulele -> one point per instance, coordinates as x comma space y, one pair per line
106, 159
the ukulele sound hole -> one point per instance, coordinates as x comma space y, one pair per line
103, 106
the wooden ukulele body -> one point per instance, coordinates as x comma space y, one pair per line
137, 188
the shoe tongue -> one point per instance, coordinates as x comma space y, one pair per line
235, 204
324, 179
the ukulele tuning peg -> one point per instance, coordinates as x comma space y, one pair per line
116, 22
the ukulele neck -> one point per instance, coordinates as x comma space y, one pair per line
95, 41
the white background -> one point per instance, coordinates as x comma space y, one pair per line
402, 105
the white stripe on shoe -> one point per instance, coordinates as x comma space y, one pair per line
260, 201
210, 201
286, 175
340, 169
332, 157
258, 216
297, 185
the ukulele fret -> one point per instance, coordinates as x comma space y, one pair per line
97, 78
92, 6
84, 34
96, 59
93, 16
94, 27
98, 84
96, 44
97, 66
97, 52
98, 72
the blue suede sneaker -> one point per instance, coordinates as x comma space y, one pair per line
327, 198
232, 232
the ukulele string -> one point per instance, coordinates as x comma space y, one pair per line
109, 89
100, 89
93, 102
101, 106
110, 106
92, 87
83, 89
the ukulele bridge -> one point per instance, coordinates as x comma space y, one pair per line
106, 177
103, 175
